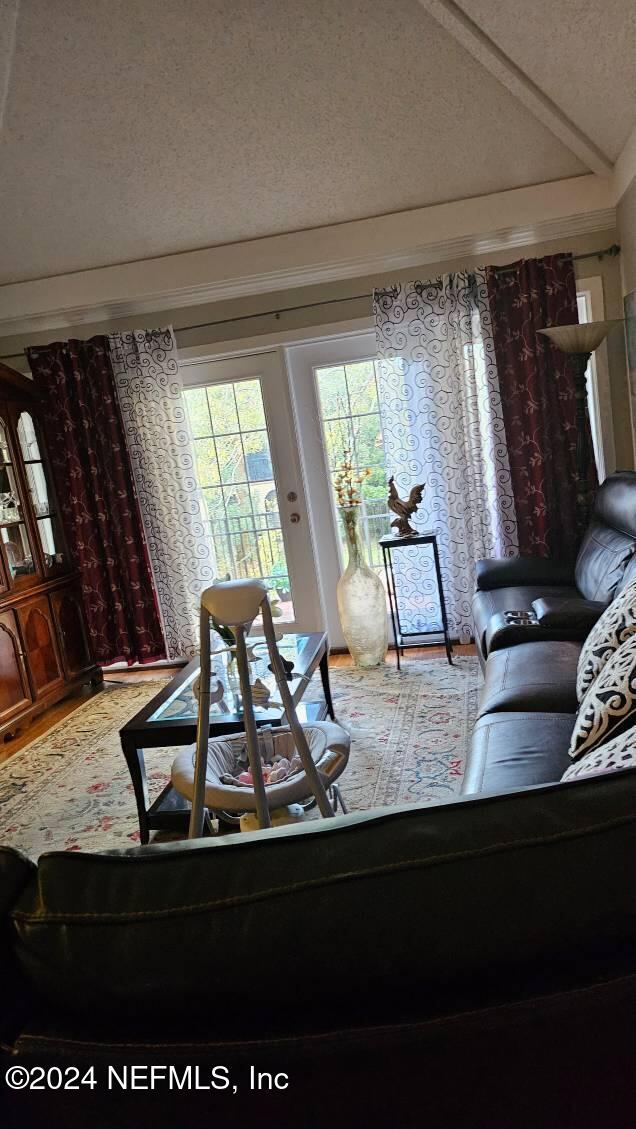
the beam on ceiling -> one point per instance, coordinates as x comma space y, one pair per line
481, 47
625, 170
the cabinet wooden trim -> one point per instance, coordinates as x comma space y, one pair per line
4, 580
41, 646
71, 630
9, 632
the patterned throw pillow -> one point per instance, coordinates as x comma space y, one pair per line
610, 702
616, 624
614, 755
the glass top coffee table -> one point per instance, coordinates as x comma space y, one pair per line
170, 718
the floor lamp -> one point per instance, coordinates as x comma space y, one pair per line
579, 342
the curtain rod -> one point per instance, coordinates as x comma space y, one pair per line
610, 251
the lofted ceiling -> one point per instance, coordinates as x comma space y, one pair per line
140, 128
582, 54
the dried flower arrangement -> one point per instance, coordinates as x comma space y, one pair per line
347, 481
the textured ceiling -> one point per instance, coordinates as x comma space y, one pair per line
136, 128
581, 53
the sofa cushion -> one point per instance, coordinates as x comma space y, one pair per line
609, 706
517, 750
532, 677
520, 571
612, 756
578, 615
487, 604
616, 624
603, 557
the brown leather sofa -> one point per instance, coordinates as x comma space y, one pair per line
528, 702
467, 964
566, 598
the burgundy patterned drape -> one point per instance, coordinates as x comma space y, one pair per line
537, 393
94, 484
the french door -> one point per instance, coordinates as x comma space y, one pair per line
249, 472
266, 423
335, 394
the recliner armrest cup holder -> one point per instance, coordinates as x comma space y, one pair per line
522, 618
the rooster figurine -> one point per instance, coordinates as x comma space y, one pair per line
404, 510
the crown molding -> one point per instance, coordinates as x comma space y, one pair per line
460, 229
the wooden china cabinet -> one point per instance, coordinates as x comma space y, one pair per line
44, 645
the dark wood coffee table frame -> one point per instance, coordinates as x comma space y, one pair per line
170, 811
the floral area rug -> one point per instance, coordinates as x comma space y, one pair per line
70, 789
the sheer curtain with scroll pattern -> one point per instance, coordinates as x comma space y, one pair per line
442, 423
150, 393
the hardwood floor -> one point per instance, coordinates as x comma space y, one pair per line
412, 653
61, 710
58, 712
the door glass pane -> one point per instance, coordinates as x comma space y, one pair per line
37, 488
28, 438
249, 403
13, 531
51, 541
17, 549
33, 464
350, 412
234, 469
5, 455
9, 496
41, 498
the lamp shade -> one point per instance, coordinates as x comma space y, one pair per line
583, 338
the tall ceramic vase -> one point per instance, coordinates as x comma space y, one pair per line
361, 600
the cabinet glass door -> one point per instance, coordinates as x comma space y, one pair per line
44, 508
13, 530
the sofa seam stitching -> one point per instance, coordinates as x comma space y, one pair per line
456, 1017
343, 876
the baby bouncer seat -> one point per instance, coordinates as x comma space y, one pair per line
289, 764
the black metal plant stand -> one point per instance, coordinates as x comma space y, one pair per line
388, 544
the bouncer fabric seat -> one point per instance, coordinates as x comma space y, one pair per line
329, 747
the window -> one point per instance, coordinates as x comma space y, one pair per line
234, 469
595, 383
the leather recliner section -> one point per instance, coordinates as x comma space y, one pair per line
532, 677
